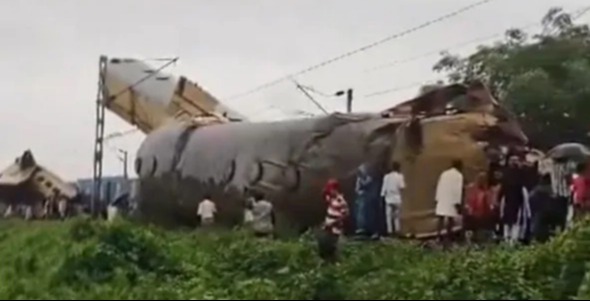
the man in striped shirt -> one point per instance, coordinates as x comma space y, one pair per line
333, 227
560, 185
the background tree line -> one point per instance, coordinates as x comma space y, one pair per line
544, 78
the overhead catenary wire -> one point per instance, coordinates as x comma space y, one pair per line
575, 15
304, 91
400, 88
361, 49
120, 134
581, 12
316, 91
438, 51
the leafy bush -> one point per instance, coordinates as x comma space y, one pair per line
89, 260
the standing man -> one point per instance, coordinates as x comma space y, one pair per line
392, 189
337, 212
478, 210
248, 217
62, 205
207, 211
540, 200
495, 188
513, 193
362, 187
448, 197
560, 184
263, 216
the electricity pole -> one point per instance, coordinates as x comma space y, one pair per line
349, 96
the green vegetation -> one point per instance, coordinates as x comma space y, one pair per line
543, 78
92, 260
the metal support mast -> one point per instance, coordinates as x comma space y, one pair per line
99, 136
349, 97
124, 156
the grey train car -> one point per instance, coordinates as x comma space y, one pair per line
291, 160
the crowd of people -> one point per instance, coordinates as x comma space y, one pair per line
516, 202
54, 207
259, 215
513, 201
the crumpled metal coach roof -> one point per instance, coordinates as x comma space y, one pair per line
25, 170
291, 160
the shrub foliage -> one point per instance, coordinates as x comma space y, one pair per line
90, 260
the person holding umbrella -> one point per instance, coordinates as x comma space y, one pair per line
565, 158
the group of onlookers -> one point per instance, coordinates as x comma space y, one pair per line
513, 201
55, 206
259, 214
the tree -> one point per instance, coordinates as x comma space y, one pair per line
543, 78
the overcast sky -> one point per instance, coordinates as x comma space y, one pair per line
50, 50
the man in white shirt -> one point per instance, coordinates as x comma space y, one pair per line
393, 186
207, 211
263, 216
448, 197
112, 212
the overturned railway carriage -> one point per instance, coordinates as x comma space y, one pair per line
25, 182
291, 160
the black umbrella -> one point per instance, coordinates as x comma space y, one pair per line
569, 151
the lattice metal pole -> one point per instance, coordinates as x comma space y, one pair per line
99, 136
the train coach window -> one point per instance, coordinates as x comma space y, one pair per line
293, 178
48, 184
256, 173
230, 172
154, 167
40, 179
138, 166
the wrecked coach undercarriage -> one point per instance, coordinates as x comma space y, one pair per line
291, 160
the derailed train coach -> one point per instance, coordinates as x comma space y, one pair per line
179, 163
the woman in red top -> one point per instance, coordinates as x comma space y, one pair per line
478, 207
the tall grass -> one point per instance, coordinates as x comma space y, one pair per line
84, 259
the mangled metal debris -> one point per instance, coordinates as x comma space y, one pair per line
27, 183
290, 160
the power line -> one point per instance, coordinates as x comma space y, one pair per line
576, 14
316, 91
398, 88
302, 89
361, 49
581, 12
438, 51
120, 134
